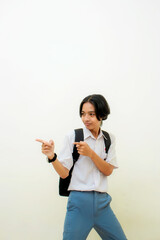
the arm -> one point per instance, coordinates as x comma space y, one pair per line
48, 150
104, 167
60, 169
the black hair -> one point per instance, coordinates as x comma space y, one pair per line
100, 104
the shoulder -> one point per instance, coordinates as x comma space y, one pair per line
111, 135
70, 136
68, 141
76, 134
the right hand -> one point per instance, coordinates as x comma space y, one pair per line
47, 148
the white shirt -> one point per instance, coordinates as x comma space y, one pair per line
85, 175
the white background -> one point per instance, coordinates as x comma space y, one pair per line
52, 55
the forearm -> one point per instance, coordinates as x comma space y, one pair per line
60, 169
102, 165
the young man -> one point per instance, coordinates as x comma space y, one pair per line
89, 202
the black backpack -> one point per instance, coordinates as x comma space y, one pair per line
64, 183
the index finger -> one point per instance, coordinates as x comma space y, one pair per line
42, 141
79, 143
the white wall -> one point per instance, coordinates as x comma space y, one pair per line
53, 54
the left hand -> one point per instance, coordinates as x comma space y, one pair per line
83, 148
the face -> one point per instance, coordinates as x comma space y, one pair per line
89, 118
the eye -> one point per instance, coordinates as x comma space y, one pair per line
92, 114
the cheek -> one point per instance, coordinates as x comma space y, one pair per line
82, 118
96, 122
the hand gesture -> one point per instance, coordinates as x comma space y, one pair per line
83, 148
47, 148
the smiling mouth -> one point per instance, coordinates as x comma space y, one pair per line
87, 124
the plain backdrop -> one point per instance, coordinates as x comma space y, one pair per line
52, 55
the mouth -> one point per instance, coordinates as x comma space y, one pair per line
87, 124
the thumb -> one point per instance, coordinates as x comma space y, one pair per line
51, 142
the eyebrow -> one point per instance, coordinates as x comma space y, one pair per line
89, 111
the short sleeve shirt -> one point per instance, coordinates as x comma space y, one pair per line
86, 176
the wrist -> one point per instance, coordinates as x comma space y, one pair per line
91, 154
51, 156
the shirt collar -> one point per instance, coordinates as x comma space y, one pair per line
88, 133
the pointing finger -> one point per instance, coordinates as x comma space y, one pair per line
79, 143
40, 140
44, 142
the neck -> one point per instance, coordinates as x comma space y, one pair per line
95, 132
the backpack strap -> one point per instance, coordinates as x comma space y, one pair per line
64, 183
79, 136
107, 140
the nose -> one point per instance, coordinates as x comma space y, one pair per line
86, 118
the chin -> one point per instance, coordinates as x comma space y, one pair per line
88, 126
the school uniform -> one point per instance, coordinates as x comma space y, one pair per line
89, 202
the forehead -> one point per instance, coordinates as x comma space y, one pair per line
88, 107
